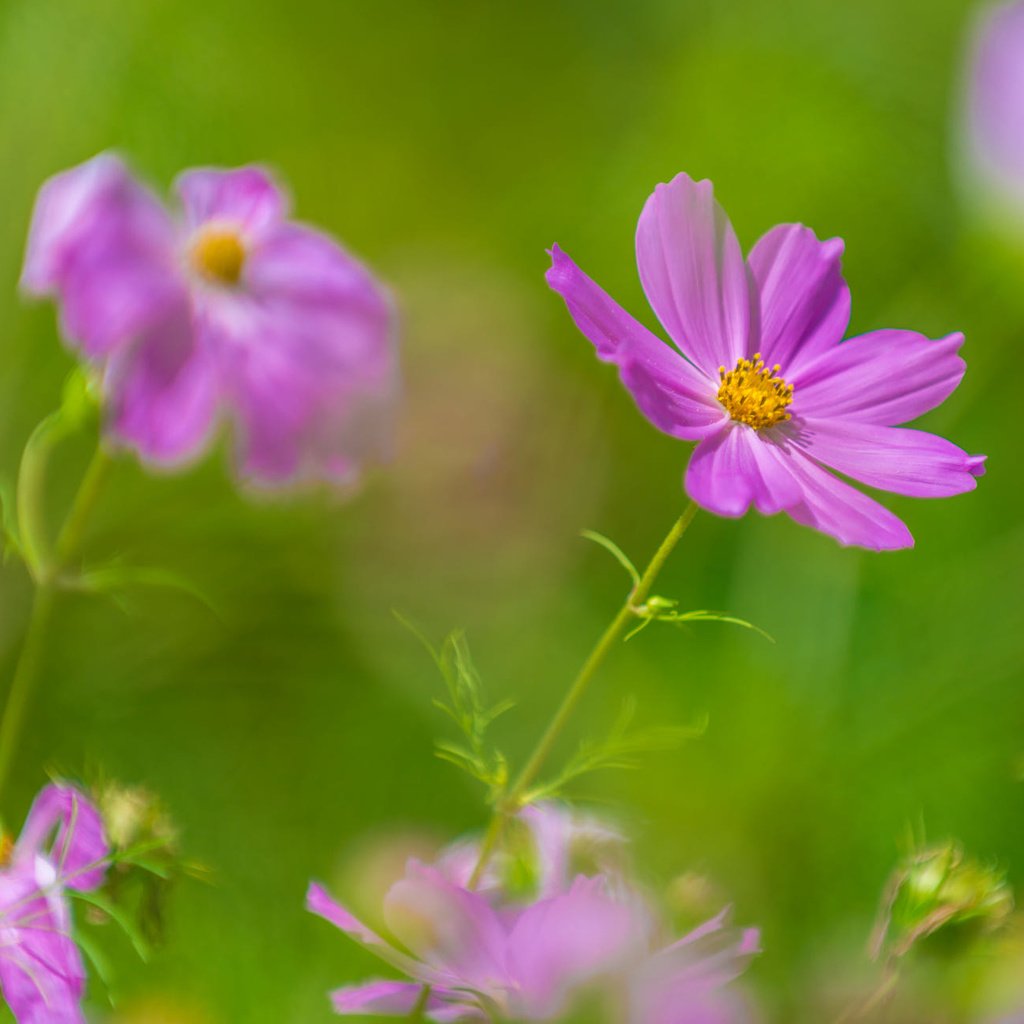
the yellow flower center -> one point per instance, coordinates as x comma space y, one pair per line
218, 254
754, 394
6, 849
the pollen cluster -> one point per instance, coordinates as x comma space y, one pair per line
755, 394
218, 254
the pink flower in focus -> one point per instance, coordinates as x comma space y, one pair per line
61, 847
761, 377
230, 310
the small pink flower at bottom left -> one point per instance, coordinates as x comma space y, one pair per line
62, 847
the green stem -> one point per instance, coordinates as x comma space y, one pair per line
619, 625
880, 995
419, 1011
44, 568
611, 636
492, 837
25, 674
31, 489
69, 540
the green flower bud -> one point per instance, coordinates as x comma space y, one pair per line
940, 888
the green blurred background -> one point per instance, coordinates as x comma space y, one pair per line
449, 143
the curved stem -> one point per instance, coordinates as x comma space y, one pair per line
31, 488
72, 532
611, 636
25, 675
44, 567
879, 996
419, 1010
492, 837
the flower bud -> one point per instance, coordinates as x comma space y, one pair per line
940, 888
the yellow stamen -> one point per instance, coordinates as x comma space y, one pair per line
754, 394
218, 254
6, 849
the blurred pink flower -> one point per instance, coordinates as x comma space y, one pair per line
561, 843
486, 953
995, 100
61, 847
231, 309
761, 378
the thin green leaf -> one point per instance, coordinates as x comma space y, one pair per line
416, 630
454, 750
616, 552
498, 710
100, 961
466, 707
644, 623
621, 748
161, 871
120, 918
709, 616
115, 578
10, 543
79, 400
660, 609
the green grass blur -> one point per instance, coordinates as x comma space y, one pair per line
449, 143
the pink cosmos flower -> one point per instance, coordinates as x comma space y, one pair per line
230, 310
761, 377
488, 954
995, 100
61, 847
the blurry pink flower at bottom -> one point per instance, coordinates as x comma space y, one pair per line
760, 377
61, 847
534, 961
230, 310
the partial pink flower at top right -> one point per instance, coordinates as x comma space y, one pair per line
761, 378
995, 109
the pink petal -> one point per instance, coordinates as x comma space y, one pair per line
33, 991
561, 944
163, 393
310, 396
246, 197
836, 508
301, 267
737, 468
102, 243
895, 459
41, 971
713, 953
676, 397
685, 983
321, 903
399, 998
805, 303
668, 999
78, 851
886, 377
694, 274
451, 928
309, 360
